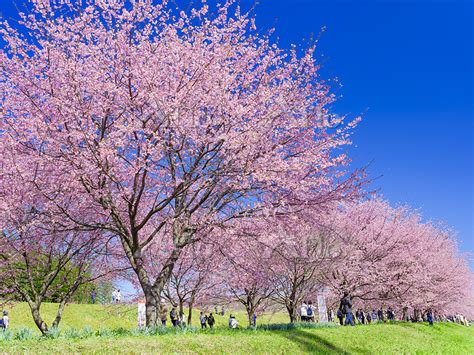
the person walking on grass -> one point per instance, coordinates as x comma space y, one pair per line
4, 321
310, 312
380, 315
368, 317
346, 308
340, 316
174, 316
304, 312
330, 315
374, 316
203, 319
390, 314
93, 295
211, 321
429, 316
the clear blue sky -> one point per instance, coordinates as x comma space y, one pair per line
407, 66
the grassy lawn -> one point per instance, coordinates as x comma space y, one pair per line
113, 316
379, 338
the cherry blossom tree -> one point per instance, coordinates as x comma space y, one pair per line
302, 253
390, 257
192, 280
39, 259
158, 126
37, 263
245, 274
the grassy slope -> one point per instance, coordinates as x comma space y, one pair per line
110, 316
387, 338
381, 338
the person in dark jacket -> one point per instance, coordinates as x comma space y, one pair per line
429, 316
340, 316
390, 314
380, 315
374, 316
211, 321
174, 317
368, 317
346, 308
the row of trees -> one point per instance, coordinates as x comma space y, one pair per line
190, 150
380, 255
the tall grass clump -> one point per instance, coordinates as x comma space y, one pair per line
53, 333
87, 332
105, 332
6, 335
23, 334
72, 333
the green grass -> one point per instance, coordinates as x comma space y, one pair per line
112, 316
368, 339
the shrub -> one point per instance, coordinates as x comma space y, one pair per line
6, 335
87, 332
23, 334
53, 333
121, 332
105, 332
72, 333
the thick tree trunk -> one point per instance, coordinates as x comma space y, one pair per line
59, 314
416, 315
291, 312
153, 291
35, 312
190, 310
250, 311
181, 310
151, 310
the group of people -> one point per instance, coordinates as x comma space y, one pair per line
457, 318
362, 317
116, 296
207, 320
177, 317
346, 317
233, 322
307, 311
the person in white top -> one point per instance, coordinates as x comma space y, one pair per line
304, 312
4, 321
118, 296
233, 324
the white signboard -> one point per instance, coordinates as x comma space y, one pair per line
322, 309
141, 314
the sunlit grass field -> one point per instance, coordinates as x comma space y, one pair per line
113, 316
367, 339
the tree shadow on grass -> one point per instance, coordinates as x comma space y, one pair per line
310, 342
